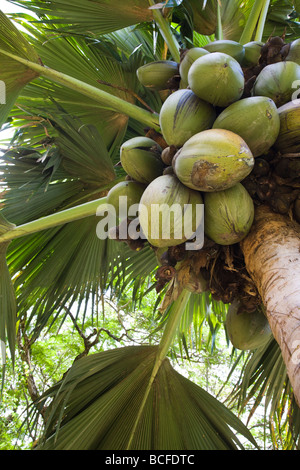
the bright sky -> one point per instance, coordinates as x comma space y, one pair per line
7, 7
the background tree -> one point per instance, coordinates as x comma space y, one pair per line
73, 98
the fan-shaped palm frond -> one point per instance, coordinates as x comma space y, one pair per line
108, 100
264, 382
100, 17
38, 188
103, 404
12, 41
94, 18
74, 167
110, 65
99, 66
234, 15
8, 305
200, 323
282, 20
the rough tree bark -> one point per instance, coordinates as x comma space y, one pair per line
272, 256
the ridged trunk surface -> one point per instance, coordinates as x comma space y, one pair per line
272, 256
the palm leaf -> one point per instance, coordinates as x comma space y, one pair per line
98, 402
69, 163
84, 154
13, 76
46, 182
89, 18
8, 306
93, 63
264, 382
234, 15
108, 100
281, 20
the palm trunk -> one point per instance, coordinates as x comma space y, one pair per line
272, 256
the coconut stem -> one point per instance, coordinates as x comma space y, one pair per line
113, 102
166, 32
252, 22
219, 29
262, 21
54, 220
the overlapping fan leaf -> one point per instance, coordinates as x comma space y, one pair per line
85, 17
98, 407
14, 76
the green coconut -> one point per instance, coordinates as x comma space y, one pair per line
288, 140
232, 48
277, 81
188, 59
229, 215
155, 75
255, 119
140, 158
213, 160
217, 78
252, 52
247, 330
294, 52
131, 190
169, 212
182, 115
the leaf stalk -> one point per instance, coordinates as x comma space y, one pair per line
252, 21
166, 32
53, 220
106, 99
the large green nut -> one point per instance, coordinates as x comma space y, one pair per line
169, 212
247, 330
232, 48
288, 140
294, 52
213, 160
217, 78
155, 75
140, 158
278, 81
252, 53
189, 58
124, 195
229, 215
182, 115
255, 119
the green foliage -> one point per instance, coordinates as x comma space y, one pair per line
84, 301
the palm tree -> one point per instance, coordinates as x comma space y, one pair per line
72, 99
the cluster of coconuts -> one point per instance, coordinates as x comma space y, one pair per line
213, 135
226, 108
